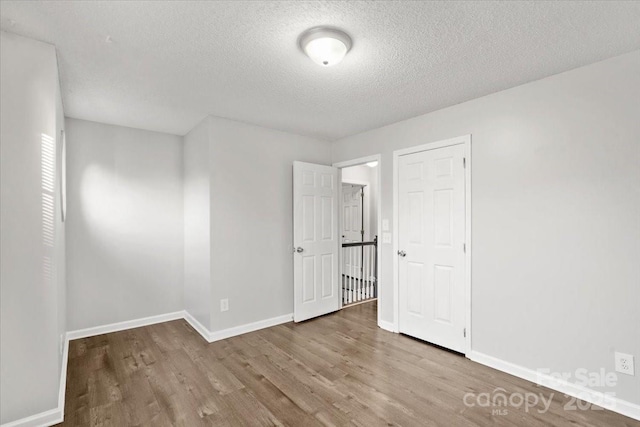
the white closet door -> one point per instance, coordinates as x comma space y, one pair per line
431, 246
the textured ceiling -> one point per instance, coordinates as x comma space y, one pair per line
169, 64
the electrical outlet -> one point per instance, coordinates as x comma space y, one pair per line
624, 363
224, 304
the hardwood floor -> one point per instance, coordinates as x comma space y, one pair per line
340, 369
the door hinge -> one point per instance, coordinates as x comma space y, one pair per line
464, 332
464, 248
464, 162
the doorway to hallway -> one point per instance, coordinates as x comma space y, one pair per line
359, 242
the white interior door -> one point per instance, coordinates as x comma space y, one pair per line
352, 230
431, 246
315, 239
352, 196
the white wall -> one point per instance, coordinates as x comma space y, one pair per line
197, 233
124, 224
32, 275
60, 249
556, 215
252, 219
364, 173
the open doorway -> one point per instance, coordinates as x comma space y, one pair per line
359, 240
359, 250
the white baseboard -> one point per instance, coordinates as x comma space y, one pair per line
63, 378
387, 326
52, 416
47, 418
199, 327
121, 326
598, 398
210, 336
249, 327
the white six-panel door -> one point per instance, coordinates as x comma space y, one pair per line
316, 242
431, 256
351, 228
352, 213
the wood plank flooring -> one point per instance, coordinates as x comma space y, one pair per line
340, 369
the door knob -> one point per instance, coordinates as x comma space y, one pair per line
299, 249
402, 254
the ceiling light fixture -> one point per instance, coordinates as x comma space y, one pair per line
324, 45
372, 164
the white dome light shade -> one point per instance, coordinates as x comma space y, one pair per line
326, 51
325, 46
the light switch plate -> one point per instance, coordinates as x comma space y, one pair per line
386, 237
385, 225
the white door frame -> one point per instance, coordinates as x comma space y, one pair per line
466, 140
357, 162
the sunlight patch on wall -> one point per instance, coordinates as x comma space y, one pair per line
48, 163
48, 169
48, 230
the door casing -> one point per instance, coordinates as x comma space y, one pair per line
466, 140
